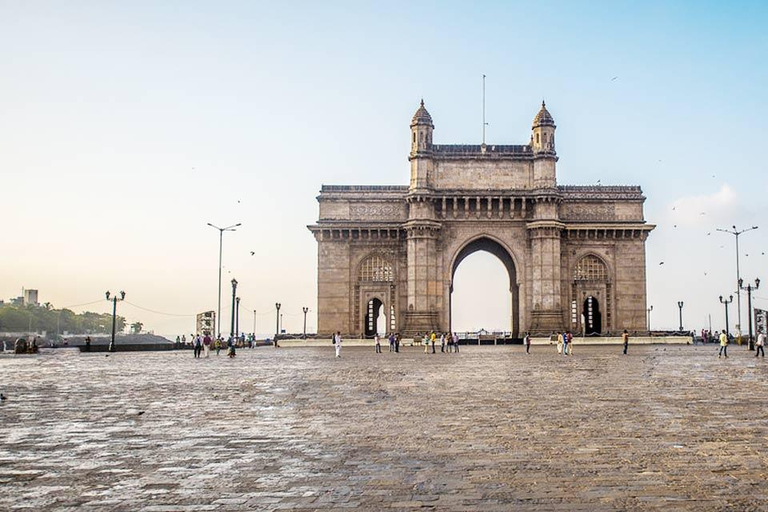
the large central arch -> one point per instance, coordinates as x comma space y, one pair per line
487, 244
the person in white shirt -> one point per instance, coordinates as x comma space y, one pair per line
760, 344
337, 343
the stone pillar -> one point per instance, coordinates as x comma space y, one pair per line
422, 314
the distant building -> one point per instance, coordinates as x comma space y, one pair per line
206, 322
29, 297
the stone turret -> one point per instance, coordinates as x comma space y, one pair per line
421, 149
543, 147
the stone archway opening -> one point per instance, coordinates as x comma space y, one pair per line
495, 291
375, 318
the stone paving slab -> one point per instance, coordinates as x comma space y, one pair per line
666, 427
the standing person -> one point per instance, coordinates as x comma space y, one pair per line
377, 343
442, 343
392, 339
398, 339
760, 344
625, 339
569, 335
723, 345
218, 345
337, 343
432, 339
184, 339
456, 342
559, 340
564, 335
426, 343
527, 343
207, 345
231, 342
87, 343
198, 346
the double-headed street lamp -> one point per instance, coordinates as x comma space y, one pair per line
749, 289
114, 300
277, 323
726, 302
221, 241
305, 310
736, 233
680, 306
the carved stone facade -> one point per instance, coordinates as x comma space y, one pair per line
575, 254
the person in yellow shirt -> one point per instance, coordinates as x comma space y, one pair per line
723, 345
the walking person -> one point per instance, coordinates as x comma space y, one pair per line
207, 345
337, 343
218, 345
760, 344
559, 340
377, 343
456, 342
442, 343
527, 343
197, 347
391, 342
723, 345
569, 337
432, 339
625, 339
564, 335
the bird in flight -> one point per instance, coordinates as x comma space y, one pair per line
661, 263
252, 253
614, 79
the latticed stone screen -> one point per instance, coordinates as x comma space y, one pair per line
376, 268
590, 268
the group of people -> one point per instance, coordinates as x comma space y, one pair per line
448, 342
204, 344
394, 339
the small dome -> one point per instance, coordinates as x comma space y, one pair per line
543, 118
422, 116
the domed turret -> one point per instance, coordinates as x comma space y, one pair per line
421, 131
543, 135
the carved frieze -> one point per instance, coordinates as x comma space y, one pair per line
594, 212
377, 211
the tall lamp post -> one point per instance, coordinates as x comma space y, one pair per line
277, 323
237, 317
114, 300
680, 306
749, 289
234, 308
736, 233
650, 308
726, 302
305, 310
221, 241
254, 325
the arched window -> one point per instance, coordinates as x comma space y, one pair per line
590, 268
376, 268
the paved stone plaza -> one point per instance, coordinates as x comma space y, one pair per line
489, 429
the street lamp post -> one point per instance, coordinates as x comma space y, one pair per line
254, 325
726, 302
114, 300
736, 233
650, 308
749, 289
234, 307
680, 305
221, 240
237, 318
305, 310
277, 322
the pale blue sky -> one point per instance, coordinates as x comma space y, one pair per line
126, 126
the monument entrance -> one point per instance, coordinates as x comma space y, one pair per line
391, 252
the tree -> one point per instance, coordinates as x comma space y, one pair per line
136, 327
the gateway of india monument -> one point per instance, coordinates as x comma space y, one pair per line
387, 255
